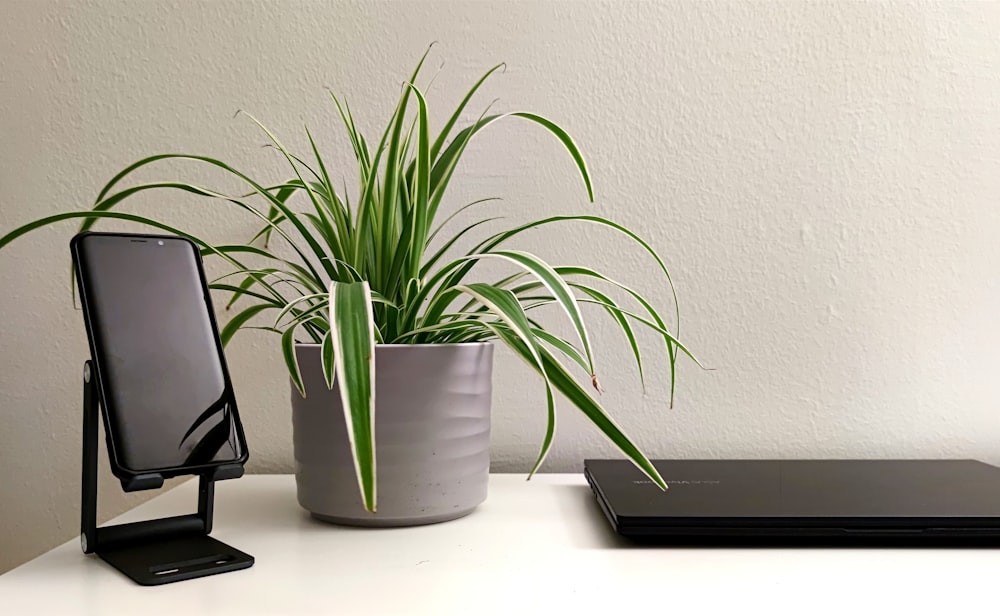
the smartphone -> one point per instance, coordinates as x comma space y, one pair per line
169, 406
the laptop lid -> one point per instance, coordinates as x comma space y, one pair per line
788, 498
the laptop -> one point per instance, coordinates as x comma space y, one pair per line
797, 501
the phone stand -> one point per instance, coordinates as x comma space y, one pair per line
160, 551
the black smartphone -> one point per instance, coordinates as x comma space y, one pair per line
168, 401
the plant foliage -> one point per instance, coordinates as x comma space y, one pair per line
362, 272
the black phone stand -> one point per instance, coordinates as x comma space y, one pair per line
152, 552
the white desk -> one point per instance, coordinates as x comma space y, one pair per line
533, 548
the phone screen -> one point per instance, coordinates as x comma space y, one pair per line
168, 401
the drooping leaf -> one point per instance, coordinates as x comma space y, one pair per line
239, 320
353, 342
291, 361
105, 203
578, 396
219, 286
446, 130
458, 212
607, 303
446, 163
505, 306
329, 360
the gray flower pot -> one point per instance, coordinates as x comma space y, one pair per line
432, 436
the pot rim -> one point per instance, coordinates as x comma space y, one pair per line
411, 346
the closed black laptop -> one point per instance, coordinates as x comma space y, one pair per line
828, 500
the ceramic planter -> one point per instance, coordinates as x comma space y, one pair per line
432, 434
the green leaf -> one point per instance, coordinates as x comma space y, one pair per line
48, 220
615, 311
598, 220
671, 340
429, 264
446, 163
421, 219
360, 153
291, 361
390, 194
353, 340
410, 245
308, 315
294, 270
263, 329
333, 204
365, 239
457, 212
92, 215
497, 239
548, 300
274, 215
443, 135
578, 396
465, 325
108, 202
313, 244
254, 277
329, 362
561, 291
505, 306
567, 142
291, 305
218, 286
563, 346
608, 304
234, 324
260, 276
444, 167
443, 294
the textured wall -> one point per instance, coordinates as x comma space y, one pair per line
822, 178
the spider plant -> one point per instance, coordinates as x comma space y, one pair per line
363, 272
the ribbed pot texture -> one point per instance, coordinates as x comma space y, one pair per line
432, 436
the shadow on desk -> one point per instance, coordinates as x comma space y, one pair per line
594, 531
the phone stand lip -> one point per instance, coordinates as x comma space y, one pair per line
152, 552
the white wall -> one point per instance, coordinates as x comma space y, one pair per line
823, 179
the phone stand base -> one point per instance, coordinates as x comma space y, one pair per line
153, 552
175, 559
